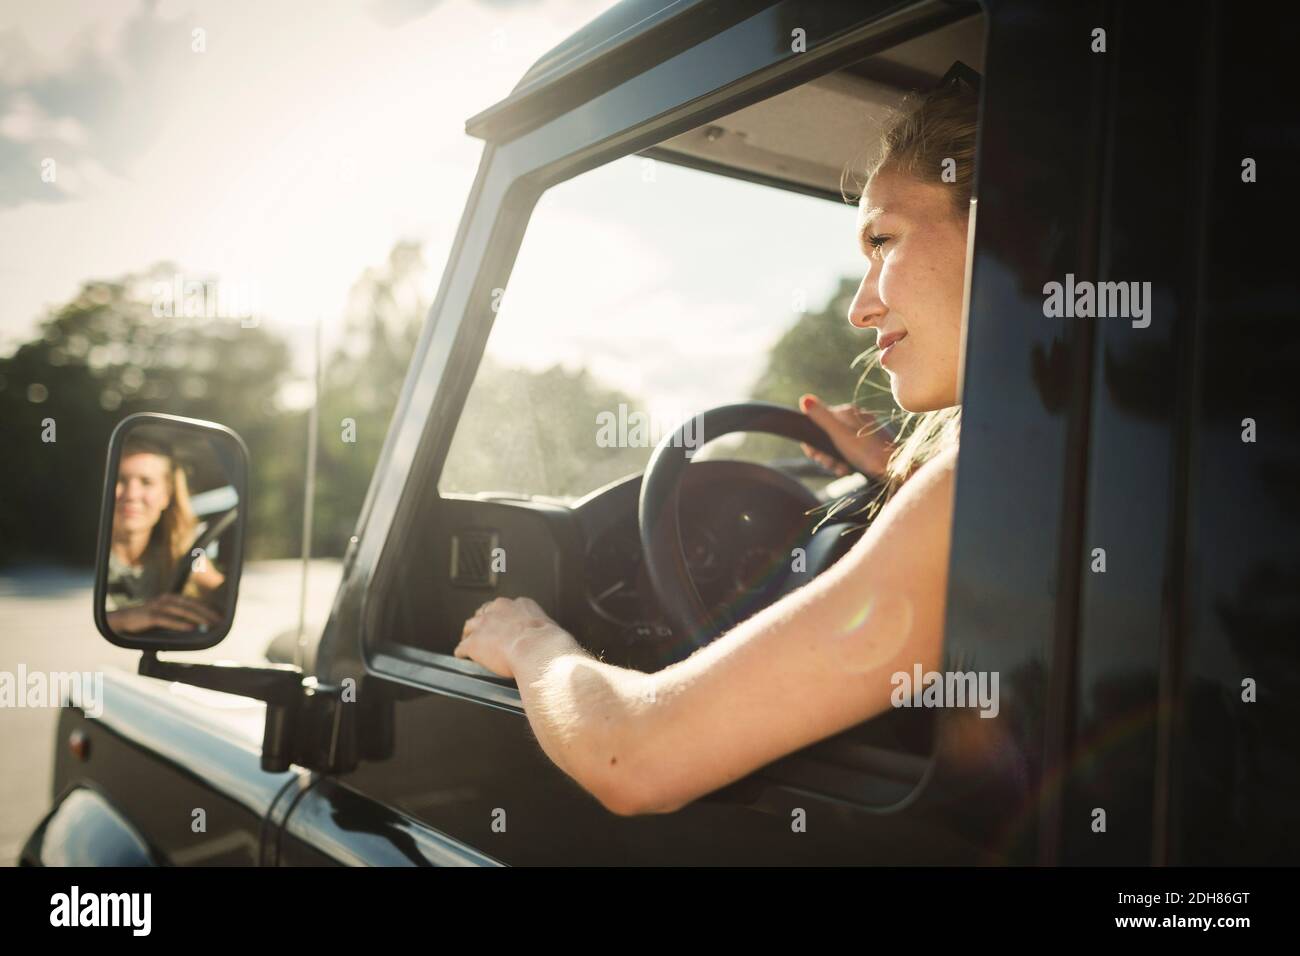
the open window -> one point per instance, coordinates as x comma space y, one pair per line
713, 266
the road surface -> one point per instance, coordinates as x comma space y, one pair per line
46, 626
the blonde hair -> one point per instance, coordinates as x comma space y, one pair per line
174, 532
925, 141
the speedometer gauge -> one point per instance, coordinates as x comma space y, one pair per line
755, 568
702, 558
613, 566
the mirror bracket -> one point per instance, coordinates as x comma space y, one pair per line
305, 720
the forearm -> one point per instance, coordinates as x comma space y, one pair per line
208, 579
579, 707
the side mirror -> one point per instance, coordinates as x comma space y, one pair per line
171, 533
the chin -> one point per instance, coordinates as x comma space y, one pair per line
916, 403
917, 393
908, 399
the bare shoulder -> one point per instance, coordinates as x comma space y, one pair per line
827, 651
939, 469
928, 490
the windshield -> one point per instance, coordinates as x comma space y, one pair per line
644, 293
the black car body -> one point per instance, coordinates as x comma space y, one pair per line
1121, 690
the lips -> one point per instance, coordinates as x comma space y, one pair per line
886, 343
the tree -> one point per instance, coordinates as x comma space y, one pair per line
362, 382
818, 354
105, 355
537, 432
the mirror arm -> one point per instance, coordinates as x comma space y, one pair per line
279, 685
275, 683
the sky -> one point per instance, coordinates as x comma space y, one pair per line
285, 147
290, 153
671, 283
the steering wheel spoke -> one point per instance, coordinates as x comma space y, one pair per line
658, 511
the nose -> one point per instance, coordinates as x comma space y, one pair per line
867, 310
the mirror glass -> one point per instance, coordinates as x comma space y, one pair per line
170, 536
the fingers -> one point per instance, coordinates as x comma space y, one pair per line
172, 609
530, 606
506, 612
853, 418
170, 622
129, 621
829, 462
467, 629
200, 612
831, 420
473, 622
856, 434
525, 604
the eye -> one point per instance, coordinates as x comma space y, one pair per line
877, 242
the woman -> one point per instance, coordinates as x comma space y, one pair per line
153, 528
821, 659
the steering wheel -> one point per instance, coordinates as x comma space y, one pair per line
661, 539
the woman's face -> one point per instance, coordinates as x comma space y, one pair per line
912, 293
142, 491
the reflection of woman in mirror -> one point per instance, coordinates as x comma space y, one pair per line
153, 528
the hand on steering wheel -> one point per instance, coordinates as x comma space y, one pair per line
661, 538
170, 612
857, 435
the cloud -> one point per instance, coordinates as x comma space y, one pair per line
90, 101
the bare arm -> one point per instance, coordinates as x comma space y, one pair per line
208, 579
817, 662
583, 712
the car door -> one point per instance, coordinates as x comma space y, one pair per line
1184, 677
445, 750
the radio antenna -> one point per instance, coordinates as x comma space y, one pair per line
309, 496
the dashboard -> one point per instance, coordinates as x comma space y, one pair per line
739, 522
582, 561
